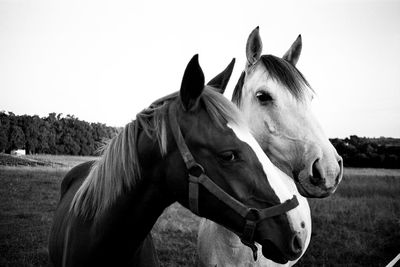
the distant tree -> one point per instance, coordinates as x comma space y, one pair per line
393, 161
3, 140
369, 152
84, 133
54, 133
355, 140
30, 126
45, 138
70, 145
16, 138
4, 129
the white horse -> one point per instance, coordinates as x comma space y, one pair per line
276, 101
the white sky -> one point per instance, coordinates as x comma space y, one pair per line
103, 61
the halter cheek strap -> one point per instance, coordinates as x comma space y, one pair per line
195, 170
197, 176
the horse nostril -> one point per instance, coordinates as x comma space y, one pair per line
296, 244
316, 175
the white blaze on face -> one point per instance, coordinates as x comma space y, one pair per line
274, 176
283, 186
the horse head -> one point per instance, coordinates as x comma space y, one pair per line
276, 98
219, 171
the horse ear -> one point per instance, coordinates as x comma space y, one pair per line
293, 54
192, 84
219, 82
253, 47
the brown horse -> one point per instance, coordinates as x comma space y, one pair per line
192, 147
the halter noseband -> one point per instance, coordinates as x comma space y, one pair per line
197, 176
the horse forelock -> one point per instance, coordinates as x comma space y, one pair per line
118, 168
287, 74
281, 71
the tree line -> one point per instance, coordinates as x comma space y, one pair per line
380, 152
54, 134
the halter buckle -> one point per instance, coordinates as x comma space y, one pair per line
195, 172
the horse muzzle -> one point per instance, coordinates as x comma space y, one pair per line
281, 250
284, 238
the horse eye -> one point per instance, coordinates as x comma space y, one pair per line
228, 156
264, 97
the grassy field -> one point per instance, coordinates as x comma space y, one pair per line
358, 226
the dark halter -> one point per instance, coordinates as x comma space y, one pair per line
197, 176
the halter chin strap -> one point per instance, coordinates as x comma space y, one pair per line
197, 176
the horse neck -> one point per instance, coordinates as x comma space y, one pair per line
226, 237
135, 211
219, 246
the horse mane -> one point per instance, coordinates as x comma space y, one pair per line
118, 169
281, 71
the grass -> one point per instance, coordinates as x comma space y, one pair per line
28, 197
358, 226
66, 161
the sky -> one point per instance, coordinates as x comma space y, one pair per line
104, 61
